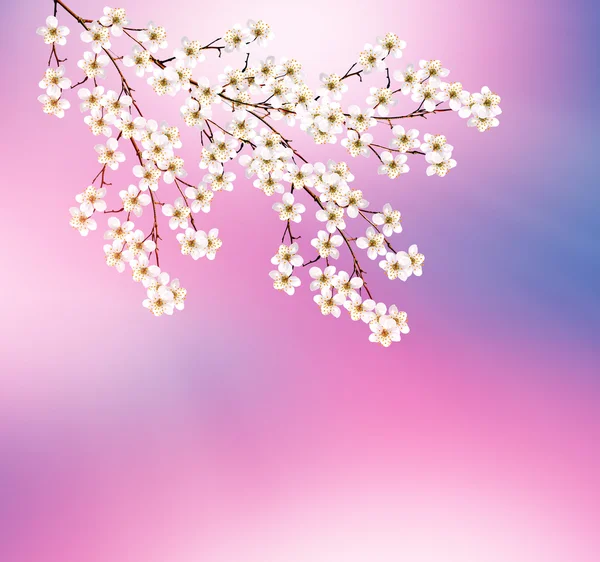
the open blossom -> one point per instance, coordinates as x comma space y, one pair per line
109, 155
134, 200
436, 143
93, 65
454, 94
164, 81
149, 175
397, 265
140, 59
404, 140
384, 331
193, 243
373, 242
82, 220
392, 44
392, 166
285, 282
178, 213
190, 52
242, 125
130, 127
347, 286
220, 181
288, 210
98, 36
332, 86
141, 270
172, 169
200, 197
116, 104
287, 258
194, 114
327, 245
389, 220
359, 120
356, 202
117, 230
381, 99
153, 37
483, 123
99, 123
432, 71
54, 81
372, 58
333, 216
236, 38
329, 303
92, 199
53, 33
53, 104
357, 145
416, 259
90, 99
260, 32
138, 244
115, 255
425, 94
322, 280
408, 79
359, 309
487, 104
115, 19
213, 242
400, 317
439, 164
160, 301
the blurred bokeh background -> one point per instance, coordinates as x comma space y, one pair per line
249, 428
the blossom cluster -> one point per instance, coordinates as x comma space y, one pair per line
256, 98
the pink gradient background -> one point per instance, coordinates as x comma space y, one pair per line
249, 428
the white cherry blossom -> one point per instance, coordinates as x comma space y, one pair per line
288, 210
389, 220
82, 220
373, 242
53, 33
287, 258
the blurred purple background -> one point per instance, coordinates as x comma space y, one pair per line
249, 427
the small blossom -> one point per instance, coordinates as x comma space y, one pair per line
359, 309
389, 220
284, 282
287, 258
93, 65
53, 33
178, 213
82, 220
141, 270
322, 280
140, 59
330, 304
54, 104
392, 166
118, 231
98, 36
385, 331
347, 286
404, 140
373, 242
408, 79
160, 301
190, 52
153, 37
92, 199
381, 100
397, 266
115, 255
439, 164
133, 200
109, 155
432, 70
372, 58
333, 216
392, 45
200, 197
54, 81
357, 144
115, 19
193, 243
288, 210
149, 175
327, 245
139, 245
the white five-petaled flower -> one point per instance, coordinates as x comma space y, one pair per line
359, 120
194, 115
115, 19
220, 181
373, 242
329, 303
93, 64
327, 245
115, 255
416, 259
432, 70
82, 220
200, 197
260, 32
397, 265
190, 52
389, 220
149, 175
381, 99
404, 140
140, 59
356, 144
359, 309
408, 79
90, 99
454, 94
372, 58
193, 243
141, 270
160, 301
384, 331
53, 104
153, 37
117, 230
333, 216
133, 200
139, 245
213, 242
54, 81
98, 36
109, 155
92, 199
287, 258
322, 280
393, 166
426, 94
347, 286
332, 86
164, 81
285, 282
288, 210
53, 33
392, 44
236, 38
436, 143
439, 164
99, 122
356, 202
178, 213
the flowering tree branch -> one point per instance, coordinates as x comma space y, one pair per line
257, 99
